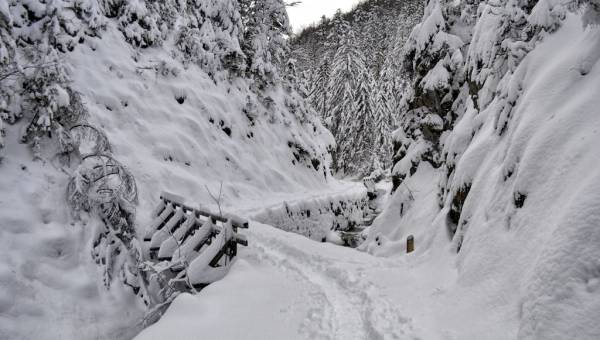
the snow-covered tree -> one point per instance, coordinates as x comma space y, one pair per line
432, 58
266, 27
212, 36
357, 141
350, 112
319, 92
380, 29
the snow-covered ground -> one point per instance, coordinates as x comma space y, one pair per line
286, 286
528, 272
219, 135
50, 288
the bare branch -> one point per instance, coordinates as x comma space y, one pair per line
19, 71
217, 200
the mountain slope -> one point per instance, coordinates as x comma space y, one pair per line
183, 108
506, 175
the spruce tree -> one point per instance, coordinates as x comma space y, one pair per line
350, 109
319, 92
266, 26
212, 35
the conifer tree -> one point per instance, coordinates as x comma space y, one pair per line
266, 26
212, 36
319, 92
350, 112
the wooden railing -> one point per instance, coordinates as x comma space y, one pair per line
196, 245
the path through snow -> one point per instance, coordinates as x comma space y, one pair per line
338, 299
285, 286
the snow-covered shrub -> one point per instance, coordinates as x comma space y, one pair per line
102, 185
140, 26
35, 81
62, 24
49, 103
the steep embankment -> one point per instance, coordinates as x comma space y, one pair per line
220, 133
175, 118
514, 199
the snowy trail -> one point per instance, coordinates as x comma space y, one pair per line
286, 286
330, 293
355, 311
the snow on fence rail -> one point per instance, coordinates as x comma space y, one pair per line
195, 245
319, 218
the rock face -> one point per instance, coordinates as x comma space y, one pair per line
497, 141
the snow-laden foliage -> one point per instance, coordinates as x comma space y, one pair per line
351, 108
266, 28
379, 29
211, 35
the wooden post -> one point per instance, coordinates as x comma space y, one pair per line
410, 244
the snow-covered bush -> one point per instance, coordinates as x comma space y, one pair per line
104, 187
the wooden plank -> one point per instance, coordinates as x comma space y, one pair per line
236, 221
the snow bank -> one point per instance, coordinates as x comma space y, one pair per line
528, 227
316, 217
190, 148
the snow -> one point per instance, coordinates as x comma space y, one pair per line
287, 287
199, 271
532, 269
529, 272
62, 97
437, 78
315, 217
51, 288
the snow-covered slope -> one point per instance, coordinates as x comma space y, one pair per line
516, 191
206, 140
172, 122
50, 287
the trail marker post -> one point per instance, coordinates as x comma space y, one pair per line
410, 244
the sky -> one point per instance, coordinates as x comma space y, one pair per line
310, 11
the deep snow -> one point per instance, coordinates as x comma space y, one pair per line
50, 288
528, 273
